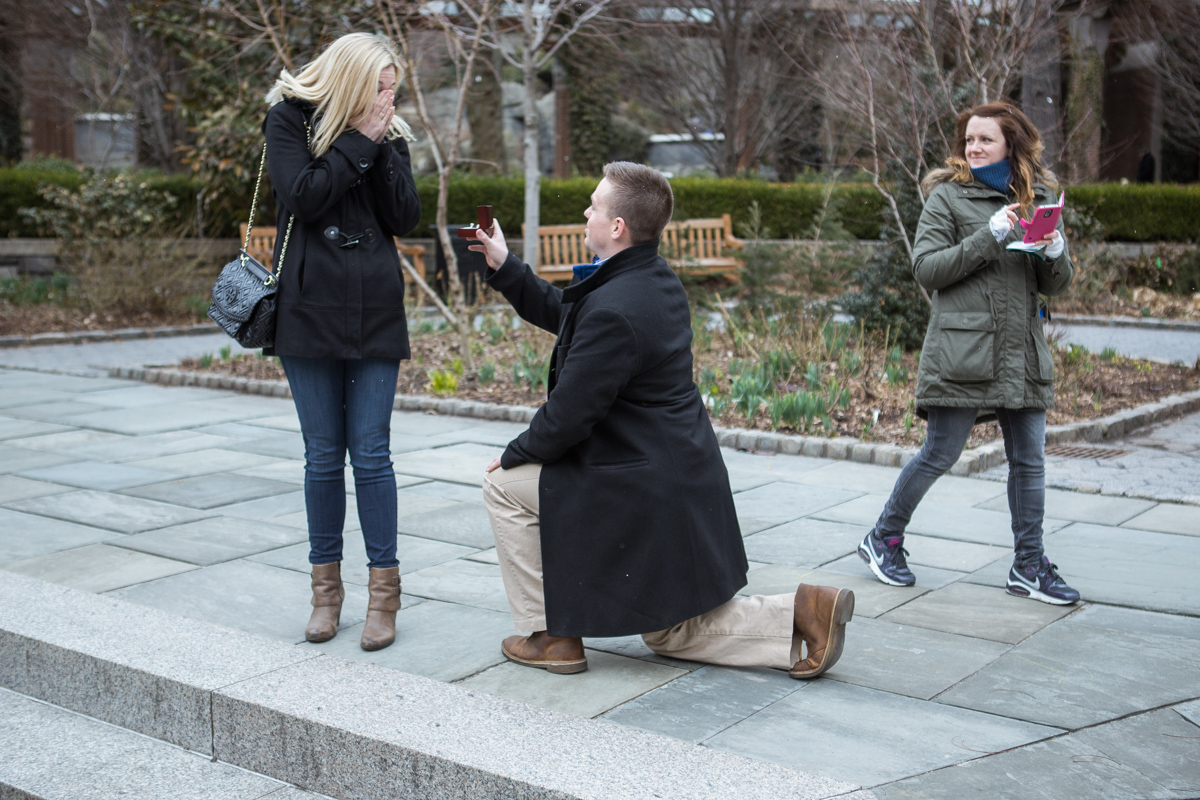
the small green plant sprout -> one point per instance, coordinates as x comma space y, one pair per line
1110, 355
896, 374
709, 385
1076, 354
1145, 366
494, 330
206, 360
196, 304
813, 376
748, 392
531, 368
851, 363
1098, 400
426, 327
908, 422
456, 366
226, 352
487, 372
799, 410
777, 366
443, 382
836, 396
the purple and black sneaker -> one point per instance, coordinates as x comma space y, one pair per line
885, 557
1040, 581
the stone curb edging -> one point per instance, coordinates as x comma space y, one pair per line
90, 337
346, 729
842, 448
1149, 323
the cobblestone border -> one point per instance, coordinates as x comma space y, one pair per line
843, 448
87, 337
1148, 323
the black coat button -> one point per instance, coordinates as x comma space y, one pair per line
364, 163
332, 232
369, 235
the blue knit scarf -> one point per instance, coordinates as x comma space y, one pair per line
584, 271
998, 176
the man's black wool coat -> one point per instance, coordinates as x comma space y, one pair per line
638, 528
334, 301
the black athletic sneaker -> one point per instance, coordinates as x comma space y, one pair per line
1040, 582
886, 559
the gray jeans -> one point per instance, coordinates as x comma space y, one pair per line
1024, 445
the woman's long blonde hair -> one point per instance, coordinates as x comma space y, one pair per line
342, 83
1024, 153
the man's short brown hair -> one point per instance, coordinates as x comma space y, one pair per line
642, 197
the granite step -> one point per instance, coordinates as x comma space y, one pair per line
345, 729
49, 753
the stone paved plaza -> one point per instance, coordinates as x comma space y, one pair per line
189, 501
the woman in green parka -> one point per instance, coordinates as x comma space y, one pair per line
985, 353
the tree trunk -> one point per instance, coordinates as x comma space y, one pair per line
562, 121
485, 116
1041, 93
533, 173
1085, 101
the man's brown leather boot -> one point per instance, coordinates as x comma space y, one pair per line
820, 617
380, 628
560, 654
328, 594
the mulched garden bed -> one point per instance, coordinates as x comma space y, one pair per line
50, 318
1087, 385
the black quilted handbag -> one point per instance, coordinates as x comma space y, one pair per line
243, 298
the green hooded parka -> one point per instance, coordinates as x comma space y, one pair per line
986, 344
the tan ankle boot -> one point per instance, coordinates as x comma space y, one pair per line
820, 617
326, 601
560, 654
380, 628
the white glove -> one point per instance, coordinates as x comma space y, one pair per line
1000, 225
1056, 246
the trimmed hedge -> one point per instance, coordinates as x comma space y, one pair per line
1129, 213
1142, 212
787, 210
19, 189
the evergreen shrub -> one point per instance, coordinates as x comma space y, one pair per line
1141, 212
1128, 213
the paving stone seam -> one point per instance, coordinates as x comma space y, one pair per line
257, 718
842, 448
87, 337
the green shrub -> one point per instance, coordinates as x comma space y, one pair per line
787, 210
1141, 212
21, 187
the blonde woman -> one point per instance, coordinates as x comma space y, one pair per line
985, 351
343, 183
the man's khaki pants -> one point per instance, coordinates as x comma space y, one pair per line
745, 632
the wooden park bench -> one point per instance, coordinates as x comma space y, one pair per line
698, 247
262, 248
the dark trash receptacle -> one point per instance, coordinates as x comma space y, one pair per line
471, 266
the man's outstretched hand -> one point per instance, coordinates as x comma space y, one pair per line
494, 249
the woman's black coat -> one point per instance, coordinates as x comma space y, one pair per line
638, 527
336, 301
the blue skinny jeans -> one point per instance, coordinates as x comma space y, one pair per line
1025, 446
347, 405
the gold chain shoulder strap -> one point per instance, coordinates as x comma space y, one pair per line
254, 207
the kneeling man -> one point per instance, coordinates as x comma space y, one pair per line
612, 513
